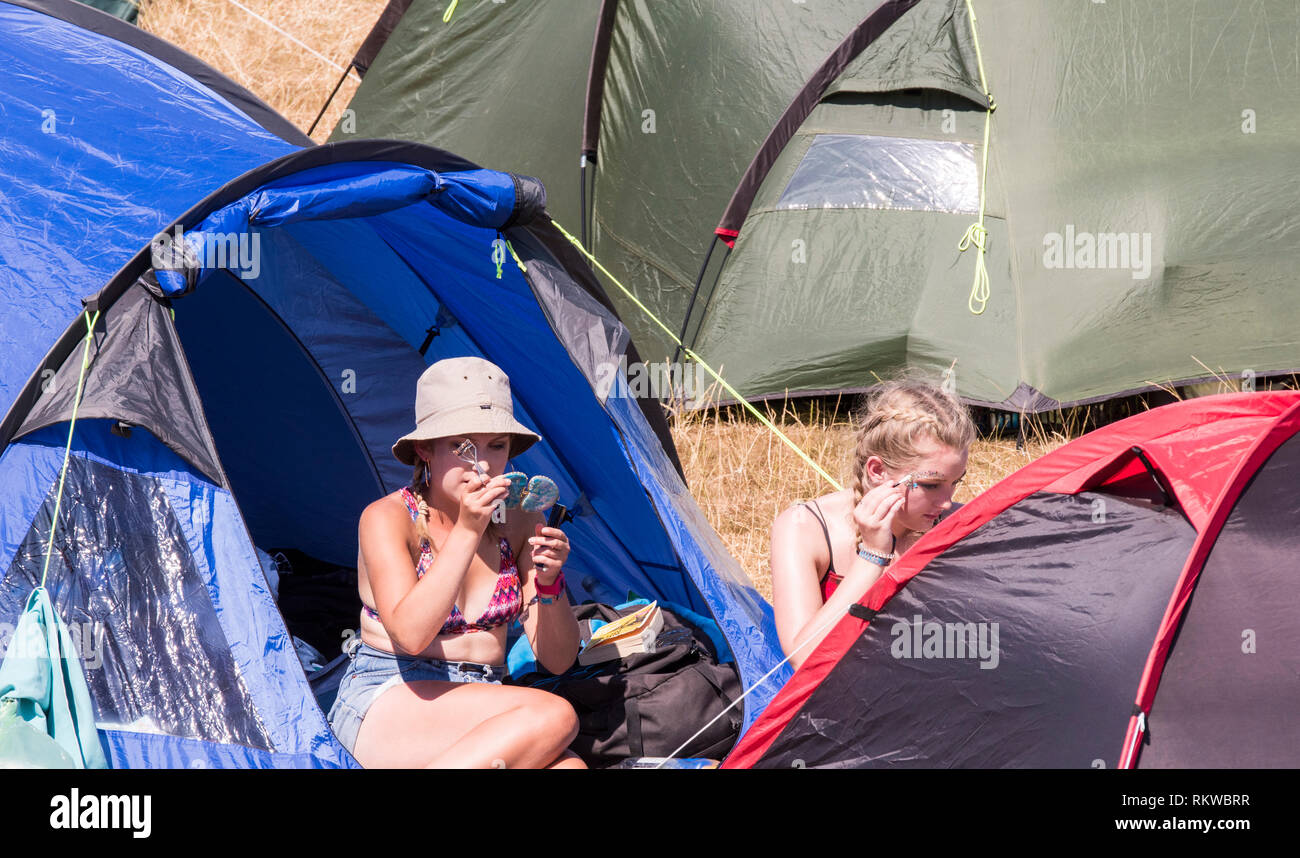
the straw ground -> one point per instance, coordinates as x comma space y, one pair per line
295, 81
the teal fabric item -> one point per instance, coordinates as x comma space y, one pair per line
42, 676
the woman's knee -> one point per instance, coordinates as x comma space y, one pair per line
558, 719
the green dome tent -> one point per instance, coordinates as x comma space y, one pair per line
1136, 193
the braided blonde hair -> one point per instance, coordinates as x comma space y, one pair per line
417, 487
896, 415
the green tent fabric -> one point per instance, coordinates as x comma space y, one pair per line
502, 83
127, 10
1139, 192
42, 686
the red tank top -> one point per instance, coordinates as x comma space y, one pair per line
831, 579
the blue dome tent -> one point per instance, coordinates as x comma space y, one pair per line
243, 380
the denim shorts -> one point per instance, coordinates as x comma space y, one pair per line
373, 671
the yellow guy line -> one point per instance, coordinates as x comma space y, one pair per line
976, 234
67, 453
695, 357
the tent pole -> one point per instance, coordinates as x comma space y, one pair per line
582, 198
699, 279
329, 100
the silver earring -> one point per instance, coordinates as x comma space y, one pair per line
426, 474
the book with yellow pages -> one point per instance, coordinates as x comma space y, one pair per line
627, 635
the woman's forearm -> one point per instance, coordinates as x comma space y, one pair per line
418, 617
555, 635
861, 576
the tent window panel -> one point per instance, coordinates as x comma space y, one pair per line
858, 171
123, 578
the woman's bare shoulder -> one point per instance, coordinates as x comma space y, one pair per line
387, 514
805, 514
519, 526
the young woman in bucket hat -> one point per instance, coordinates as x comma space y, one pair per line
441, 584
912, 444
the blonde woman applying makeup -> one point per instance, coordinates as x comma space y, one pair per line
912, 445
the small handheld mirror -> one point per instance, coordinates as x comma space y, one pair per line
518, 485
540, 494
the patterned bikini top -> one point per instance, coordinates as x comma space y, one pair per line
507, 600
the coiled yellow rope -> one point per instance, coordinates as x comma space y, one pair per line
976, 235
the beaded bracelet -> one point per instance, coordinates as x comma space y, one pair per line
876, 557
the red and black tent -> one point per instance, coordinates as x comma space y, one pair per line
1130, 599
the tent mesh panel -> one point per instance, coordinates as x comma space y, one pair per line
125, 582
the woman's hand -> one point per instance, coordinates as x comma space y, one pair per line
477, 501
874, 514
550, 548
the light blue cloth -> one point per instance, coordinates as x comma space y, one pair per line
42, 684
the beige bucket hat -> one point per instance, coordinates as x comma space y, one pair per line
463, 396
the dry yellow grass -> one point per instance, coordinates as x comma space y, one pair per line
283, 74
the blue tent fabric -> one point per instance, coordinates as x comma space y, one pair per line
240, 613
104, 146
42, 672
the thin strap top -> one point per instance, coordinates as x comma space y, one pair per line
830, 580
507, 599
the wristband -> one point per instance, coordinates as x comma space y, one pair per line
556, 587
881, 560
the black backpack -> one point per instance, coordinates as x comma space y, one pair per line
648, 704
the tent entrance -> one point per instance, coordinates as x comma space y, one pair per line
289, 450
